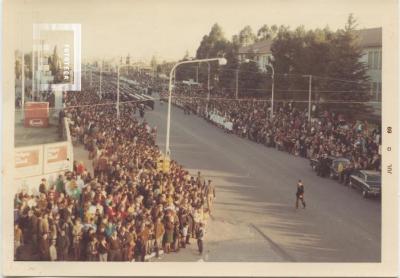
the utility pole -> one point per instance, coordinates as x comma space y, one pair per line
208, 86
23, 82
237, 84
118, 92
33, 72
309, 96
101, 69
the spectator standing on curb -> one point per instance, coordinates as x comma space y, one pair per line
62, 245
210, 192
53, 251
159, 233
200, 237
103, 249
44, 248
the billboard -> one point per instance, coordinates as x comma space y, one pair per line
56, 157
29, 161
36, 114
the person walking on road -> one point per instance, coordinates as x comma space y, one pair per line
300, 194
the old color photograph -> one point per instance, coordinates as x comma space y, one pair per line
197, 132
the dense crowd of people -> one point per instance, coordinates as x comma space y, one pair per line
289, 129
127, 209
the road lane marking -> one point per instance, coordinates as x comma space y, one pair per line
274, 245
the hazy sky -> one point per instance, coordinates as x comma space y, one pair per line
167, 28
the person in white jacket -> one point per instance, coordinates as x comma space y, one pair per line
53, 251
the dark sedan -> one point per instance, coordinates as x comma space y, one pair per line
369, 182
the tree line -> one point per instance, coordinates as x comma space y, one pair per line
331, 57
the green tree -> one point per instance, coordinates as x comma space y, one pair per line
267, 33
246, 36
250, 80
332, 58
350, 73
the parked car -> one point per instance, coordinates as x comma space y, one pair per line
334, 167
369, 182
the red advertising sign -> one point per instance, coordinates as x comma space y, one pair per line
36, 114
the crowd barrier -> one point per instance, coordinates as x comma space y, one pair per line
32, 163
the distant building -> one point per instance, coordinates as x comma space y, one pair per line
259, 51
370, 42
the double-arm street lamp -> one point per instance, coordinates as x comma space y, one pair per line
272, 86
309, 95
221, 61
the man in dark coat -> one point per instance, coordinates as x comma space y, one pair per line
115, 248
44, 248
63, 244
300, 194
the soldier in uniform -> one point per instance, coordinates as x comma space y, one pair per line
300, 194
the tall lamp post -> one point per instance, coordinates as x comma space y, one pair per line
309, 95
208, 85
221, 61
101, 71
272, 84
118, 68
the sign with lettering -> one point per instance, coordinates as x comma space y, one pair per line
28, 161
56, 157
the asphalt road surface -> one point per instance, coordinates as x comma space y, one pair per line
254, 217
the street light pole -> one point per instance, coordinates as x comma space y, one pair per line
309, 95
118, 92
221, 61
101, 70
237, 83
23, 82
208, 86
272, 90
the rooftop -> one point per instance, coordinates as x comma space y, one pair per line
371, 37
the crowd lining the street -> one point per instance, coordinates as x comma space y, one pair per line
289, 129
127, 209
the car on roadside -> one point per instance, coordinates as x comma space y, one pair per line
334, 167
369, 182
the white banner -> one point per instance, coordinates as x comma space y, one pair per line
221, 121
